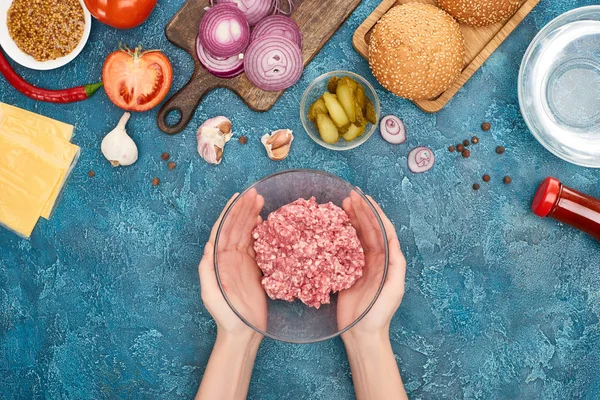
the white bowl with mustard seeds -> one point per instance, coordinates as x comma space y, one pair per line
48, 57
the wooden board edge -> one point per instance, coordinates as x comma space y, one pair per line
432, 106
359, 39
171, 26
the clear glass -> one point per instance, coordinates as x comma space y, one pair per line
293, 321
316, 90
559, 86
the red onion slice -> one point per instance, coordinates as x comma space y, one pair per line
280, 10
254, 10
224, 31
220, 67
273, 63
421, 159
278, 25
392, 129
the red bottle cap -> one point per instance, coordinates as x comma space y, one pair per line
546, 197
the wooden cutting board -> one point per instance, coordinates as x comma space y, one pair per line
481, 43
318, 20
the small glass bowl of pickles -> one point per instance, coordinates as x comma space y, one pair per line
340, 110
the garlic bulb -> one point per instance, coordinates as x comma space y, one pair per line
212, 136
118, 147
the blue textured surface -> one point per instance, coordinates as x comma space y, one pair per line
103, 301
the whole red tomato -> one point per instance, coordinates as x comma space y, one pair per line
122, 14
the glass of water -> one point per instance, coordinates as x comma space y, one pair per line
559, 86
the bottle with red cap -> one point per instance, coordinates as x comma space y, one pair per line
555, 200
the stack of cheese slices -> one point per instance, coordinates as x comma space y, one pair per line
36, 157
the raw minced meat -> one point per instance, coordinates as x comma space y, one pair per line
307, 251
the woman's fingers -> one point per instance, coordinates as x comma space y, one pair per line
230, 233
371, 236
394, 282
389, 227
397, 264
237, 217
215, 228
248, 224
347, 207
206, 272
250, 249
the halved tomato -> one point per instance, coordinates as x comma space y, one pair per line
137, 80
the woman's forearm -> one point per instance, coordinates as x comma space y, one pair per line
229, 369
374, 370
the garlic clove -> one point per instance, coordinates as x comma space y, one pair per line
280, 153
222, 123
278, 144
225, 127
219, 153
211, 143
212, 136
117, 147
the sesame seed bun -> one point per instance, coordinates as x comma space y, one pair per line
416, 51
480, 12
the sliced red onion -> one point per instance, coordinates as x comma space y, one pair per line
392, 129
421, 159
254, 10
224, 31
220, 67
279, 9
273, 63
278, 25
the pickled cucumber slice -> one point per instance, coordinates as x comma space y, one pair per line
354, 132
346, 98
318, 107
327, 129
370, 113
332, 84
336, 111
361, 98
346, 80
360, 117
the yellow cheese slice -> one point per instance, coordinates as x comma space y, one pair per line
41, 130
19, 211
26, 169
38, 162
19, 120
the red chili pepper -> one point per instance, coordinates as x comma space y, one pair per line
53, 96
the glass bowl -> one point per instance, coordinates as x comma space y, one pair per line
559, 86
294, 322
316, 90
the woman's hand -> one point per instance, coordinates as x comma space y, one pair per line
239, 273
354, 301
229, 368
374, 369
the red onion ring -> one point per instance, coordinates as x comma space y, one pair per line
254, 10
273, 63
278, 25
224, 31
220, 67
421, 159
392, 129
279, 9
